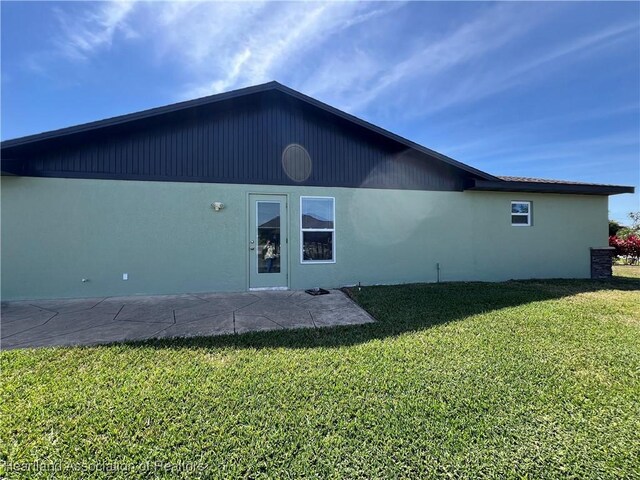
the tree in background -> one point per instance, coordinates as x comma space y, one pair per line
633, 229
614, 226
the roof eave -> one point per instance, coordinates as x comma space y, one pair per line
537, 187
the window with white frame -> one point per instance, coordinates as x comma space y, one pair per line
317, 230
521, 214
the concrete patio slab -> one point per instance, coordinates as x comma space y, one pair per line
255, 323
205, 326
116, 319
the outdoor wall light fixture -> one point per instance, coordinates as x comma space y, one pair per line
217, 206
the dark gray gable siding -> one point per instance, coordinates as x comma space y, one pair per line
239, 141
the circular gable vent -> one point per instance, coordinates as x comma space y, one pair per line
296, 162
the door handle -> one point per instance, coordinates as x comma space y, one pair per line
252, 248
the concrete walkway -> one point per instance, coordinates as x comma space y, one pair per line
91, 321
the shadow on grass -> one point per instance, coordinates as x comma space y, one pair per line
400, 309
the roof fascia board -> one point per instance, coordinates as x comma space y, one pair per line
534, 187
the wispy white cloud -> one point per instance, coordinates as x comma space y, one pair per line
227, 46
218, 46
520, 132
434, 58
565, 150
484, 83
83, 33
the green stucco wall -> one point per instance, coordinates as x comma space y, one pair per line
166, 236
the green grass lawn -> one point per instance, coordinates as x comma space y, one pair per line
535, 379
630, 271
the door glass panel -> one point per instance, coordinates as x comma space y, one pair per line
268, 214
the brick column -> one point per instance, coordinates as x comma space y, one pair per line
601, 262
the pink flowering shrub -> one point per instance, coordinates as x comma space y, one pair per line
628, 248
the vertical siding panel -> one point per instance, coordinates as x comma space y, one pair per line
332, 140
171, 167
118, 158
249, 140
277, 123
159, 157
182, 152
121, 153
190, 148
218, 167
166, 153
183, 143
175, 156
286, 136
113, 158
235, 135
152, 157
337, 148
242, 141
92, 157
207, 151
187, 136
227, 158
218, 131
264, 149
179, 156
205, 148
268, 124
224, 148
204, 132
230, 146
129, 150
257, 139
147, 169
235, 142
252, 138
317, 138
140, 156
195, 149
225, 151
76, 166
147, 154
107, 165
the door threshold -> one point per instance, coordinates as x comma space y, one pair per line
261, 289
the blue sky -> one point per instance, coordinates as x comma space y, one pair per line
546, 90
